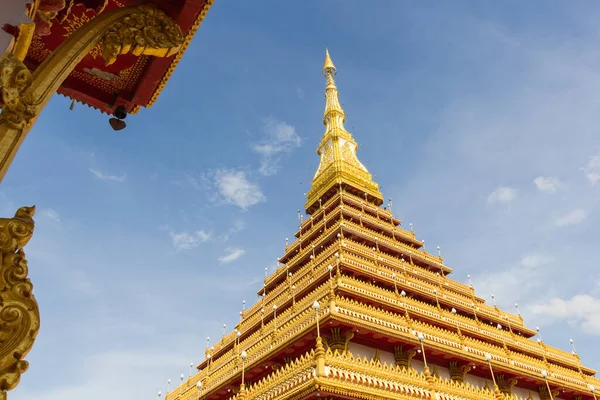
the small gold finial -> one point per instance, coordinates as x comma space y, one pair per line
328, 67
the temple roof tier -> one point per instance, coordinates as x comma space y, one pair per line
343, 199
370, 319
425, 311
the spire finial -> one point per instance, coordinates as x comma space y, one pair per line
328, 67
337, 150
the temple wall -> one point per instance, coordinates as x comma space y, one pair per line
12, 12
443, 372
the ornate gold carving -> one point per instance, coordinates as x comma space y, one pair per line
152, 33
377, 357
319, 357
349, 156
179, 54
545, 394
15, 78
17, 106
19, 313
21, 115
339, 339
505, 385
74, 22
403, 355
45, 11
457, 371
327, 155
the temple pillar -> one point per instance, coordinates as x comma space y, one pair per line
19, 312
338, 339
403, 355
457, 371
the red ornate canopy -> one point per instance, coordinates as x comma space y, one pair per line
132, 81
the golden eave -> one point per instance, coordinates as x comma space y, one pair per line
178, 55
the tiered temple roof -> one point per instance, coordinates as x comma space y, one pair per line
359, 309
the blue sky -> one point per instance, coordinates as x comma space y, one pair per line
478, 118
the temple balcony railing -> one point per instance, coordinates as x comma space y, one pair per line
260, 344
358, 202
383, 381
368, 234
405, 270
425, 288
367, 317
291, 264
352, 202
252, 316
344, 200
346, 374
466, 325
402, 248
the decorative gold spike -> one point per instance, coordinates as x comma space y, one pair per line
328, 67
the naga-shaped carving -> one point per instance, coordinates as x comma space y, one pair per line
403, 355
338, 339
17, 106
458, 371
151, 33
15, 78
505, 385
545, 393
19, 313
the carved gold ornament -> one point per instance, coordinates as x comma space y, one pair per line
19, 313
15, 78
151, 33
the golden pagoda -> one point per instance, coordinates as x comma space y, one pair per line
358, 309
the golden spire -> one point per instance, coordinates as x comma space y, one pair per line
334, 116
339, 164
328, 66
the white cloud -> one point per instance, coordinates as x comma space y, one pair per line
51, 214
534, 260
280, 138
231, 254
522, 275
547, 184
572, 218
502, 195
582, 310
300, 93
237, 226
103, 177
236, 189
592, 169
186, 241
